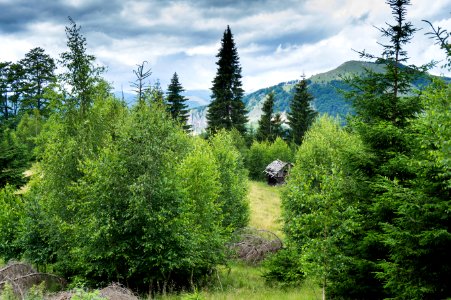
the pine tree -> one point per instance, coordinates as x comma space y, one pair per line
227, 109
39, 73
301, 113
265, 124
176, 102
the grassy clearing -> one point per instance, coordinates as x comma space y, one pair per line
245, 282
265, 207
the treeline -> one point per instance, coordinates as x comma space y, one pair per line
366, 207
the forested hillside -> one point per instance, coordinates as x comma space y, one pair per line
325, 88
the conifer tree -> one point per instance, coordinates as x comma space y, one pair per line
276, 125
39, 73
301, 113
265, 124
385, 105
176, 102
227, 110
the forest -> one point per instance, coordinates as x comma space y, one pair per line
95, 192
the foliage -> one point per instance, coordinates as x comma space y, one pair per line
81, 75
284, 267
320, 202
265, 129
301, 113
39, 73
227, 110
233, 179
176, 102
263, 153
11, 214
199, 175
419, 231
14, 158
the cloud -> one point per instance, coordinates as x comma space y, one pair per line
277, 40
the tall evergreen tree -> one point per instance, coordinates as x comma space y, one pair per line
39, 72
265, 125
176, 102
384, 106
227, 109
301, 113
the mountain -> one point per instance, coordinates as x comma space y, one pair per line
324, 88
196, 98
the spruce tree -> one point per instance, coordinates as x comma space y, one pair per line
301, 113
265, 125
385, 105
176, 102
227, 110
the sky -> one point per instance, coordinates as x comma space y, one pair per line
277, 40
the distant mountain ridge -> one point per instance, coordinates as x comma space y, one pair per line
322, 86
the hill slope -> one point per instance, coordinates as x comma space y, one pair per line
324, 87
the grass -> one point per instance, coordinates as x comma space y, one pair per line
241, 281
265, 205
245, 282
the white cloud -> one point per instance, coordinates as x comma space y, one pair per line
276, 41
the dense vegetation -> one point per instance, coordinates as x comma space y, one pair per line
125, 194
114, 189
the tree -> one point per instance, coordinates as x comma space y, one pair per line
227, 110
320, 203
11, 214
4, 89
277, 129
265, 124
301, 113
14, 159
233, 178
81, 74
385, 105
176, 102
139, 85
39, 72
